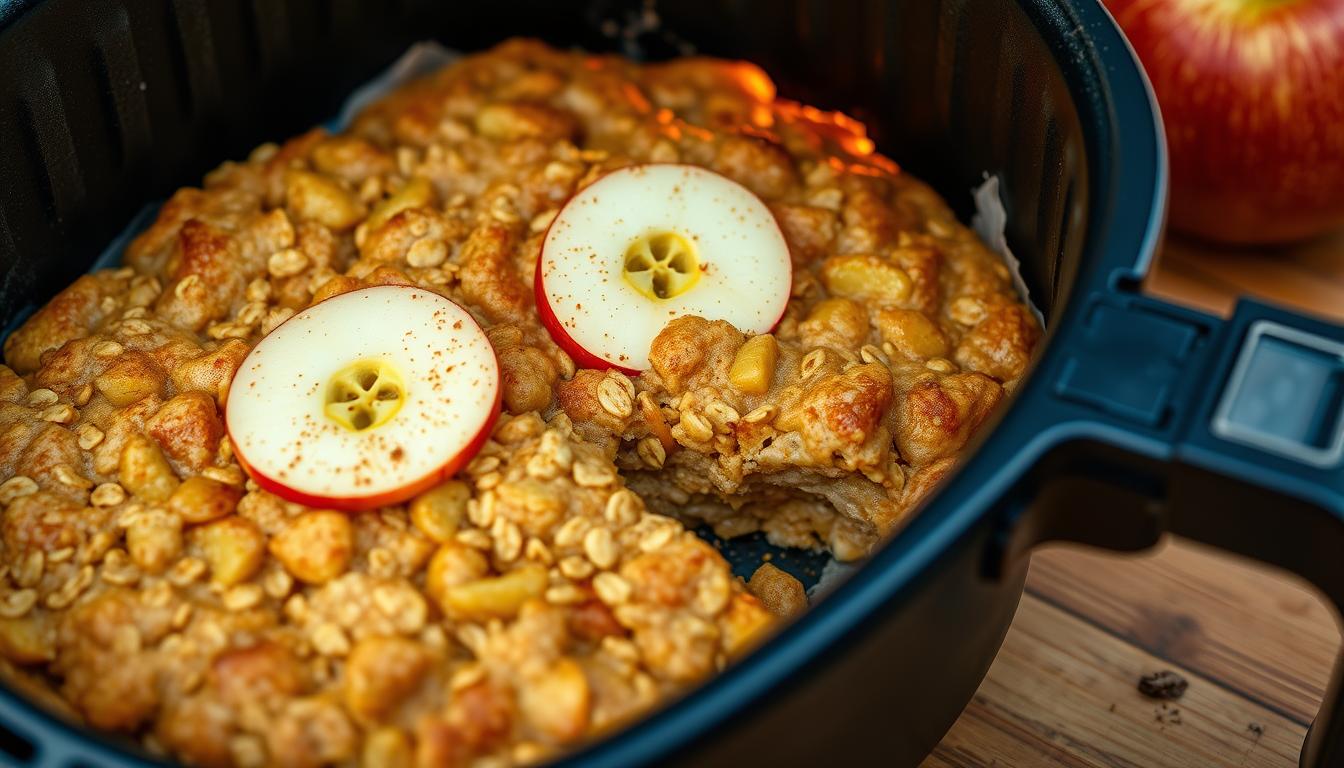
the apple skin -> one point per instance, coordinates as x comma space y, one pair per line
1252, 94
581, 357
395, 496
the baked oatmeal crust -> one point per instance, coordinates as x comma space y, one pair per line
550, 592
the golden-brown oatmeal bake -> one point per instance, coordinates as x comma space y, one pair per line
548, 592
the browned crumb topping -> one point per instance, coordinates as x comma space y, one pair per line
147, 587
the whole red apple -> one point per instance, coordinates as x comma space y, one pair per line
1252, 94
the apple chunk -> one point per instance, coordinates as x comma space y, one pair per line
647, 244
365, 399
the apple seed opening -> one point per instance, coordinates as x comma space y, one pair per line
364, 395
661, 265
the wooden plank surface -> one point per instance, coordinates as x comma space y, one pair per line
1062, 693
1261, 633
1309, 276
1256, 644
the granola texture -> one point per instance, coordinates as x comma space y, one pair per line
551, 591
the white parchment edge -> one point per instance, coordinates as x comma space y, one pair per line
989, 222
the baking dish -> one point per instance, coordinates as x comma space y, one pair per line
1139, 417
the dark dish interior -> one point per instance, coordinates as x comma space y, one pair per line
109, 105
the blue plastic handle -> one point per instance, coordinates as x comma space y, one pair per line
1226, 432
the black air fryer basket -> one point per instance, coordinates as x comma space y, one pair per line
1138, 418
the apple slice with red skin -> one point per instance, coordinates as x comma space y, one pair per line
364, 400
647, 244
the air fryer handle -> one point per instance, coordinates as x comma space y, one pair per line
1226, 432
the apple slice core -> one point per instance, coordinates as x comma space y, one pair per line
365, 399
647, 244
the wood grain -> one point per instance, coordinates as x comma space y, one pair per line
1263, 634
1255, 644
1309, 276
1062, 693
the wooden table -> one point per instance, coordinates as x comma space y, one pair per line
1255, 644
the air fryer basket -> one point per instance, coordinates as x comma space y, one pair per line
107, 104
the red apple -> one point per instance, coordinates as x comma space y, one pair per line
364, 400
647, 244
1252, 94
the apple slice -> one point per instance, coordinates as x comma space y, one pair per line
646, 244
365, 399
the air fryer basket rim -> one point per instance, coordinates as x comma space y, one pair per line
1125, 220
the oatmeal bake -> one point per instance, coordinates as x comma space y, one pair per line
551, 589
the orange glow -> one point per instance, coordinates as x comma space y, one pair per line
822, 131
876, 166
636, 98
770, 136
753, 81
762, 117
696, 132
834, 125
861, 145
850, 135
